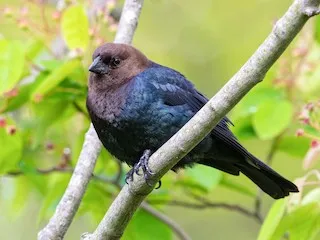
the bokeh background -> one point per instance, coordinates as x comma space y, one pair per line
207, 41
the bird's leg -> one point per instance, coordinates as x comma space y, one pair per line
144, 161
144, 164
134, 169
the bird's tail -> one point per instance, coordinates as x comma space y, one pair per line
267, 179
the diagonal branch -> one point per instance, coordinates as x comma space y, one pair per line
131, 196
69, 204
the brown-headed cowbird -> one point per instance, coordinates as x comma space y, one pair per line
136, 105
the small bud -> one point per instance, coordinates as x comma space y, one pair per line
3, 122
66, 151
300, 52
99, 41
38, 98
49, 146
11, 130
24, 11
12, 93
309, 107
23, 24
7, 12
56, 15
315, 144
91, 32
306, 121
299, 132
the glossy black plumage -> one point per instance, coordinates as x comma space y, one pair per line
136, 104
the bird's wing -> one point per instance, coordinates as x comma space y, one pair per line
177, 90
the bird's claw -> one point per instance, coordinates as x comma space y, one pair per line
144, 165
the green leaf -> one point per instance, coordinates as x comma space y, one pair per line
75, 27
53, 79
311, 130
33, 48
97, 197
11, 150
250, 103
24, 93
302, 224
295, 146
47, 112
56, 189
272, 118
243, 128
311, 82
236, 186
205, 176
317, 29
272, 220
22, 191
144, 226
188, 183
11, 64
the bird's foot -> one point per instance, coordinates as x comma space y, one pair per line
144, 165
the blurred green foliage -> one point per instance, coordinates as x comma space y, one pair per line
43, 85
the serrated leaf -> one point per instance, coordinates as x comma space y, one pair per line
12, 60
144, 226
295, 146
272, 118
11, 150
272, 220
53, 79
205, 176
302, 224
75, 27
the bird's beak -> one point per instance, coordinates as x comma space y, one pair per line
98, 67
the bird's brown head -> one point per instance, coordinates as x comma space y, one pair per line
115, 64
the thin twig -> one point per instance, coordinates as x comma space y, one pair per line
207, 204
165, 219
57, 169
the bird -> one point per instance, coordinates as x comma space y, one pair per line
136, 105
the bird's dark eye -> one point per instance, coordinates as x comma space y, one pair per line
115, 62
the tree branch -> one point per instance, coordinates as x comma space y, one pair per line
69, 204
131, 196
